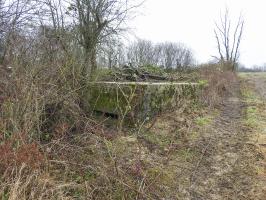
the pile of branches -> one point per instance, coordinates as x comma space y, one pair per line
130, 73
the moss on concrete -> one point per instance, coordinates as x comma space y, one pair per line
138, 101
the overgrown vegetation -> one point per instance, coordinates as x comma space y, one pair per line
217, 82
52, 149
55, 144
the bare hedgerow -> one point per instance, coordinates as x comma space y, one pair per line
219, 83
26, 127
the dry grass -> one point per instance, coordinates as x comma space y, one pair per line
253, 88
218, 84
37, 105
52, 150
23, 183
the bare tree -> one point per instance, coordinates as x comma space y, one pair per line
174, 55
55, 11
52, 32
168, 54
141, 52
111, 54
96, 21
15, 17
170, 51
228, 42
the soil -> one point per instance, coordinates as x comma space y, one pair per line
226, 168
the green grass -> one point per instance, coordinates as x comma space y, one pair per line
252, 101
249, 74
203, 121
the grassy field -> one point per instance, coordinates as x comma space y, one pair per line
252, 74
253, 89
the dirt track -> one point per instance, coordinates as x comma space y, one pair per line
226, 169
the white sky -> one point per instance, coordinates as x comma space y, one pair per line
192, 21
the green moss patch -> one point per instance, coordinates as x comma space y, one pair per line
138, 101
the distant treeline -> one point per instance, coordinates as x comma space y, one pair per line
167, 55
255, 68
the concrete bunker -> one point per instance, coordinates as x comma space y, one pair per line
137, 101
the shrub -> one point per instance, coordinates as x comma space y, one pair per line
217, 84
16, 151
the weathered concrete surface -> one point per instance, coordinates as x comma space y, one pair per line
137, 100
146, 83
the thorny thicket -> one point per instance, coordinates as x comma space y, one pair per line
52, 150
217, 83
39, 103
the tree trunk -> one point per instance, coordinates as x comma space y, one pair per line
90, 63
93, 63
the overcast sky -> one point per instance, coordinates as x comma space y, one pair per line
192, 21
